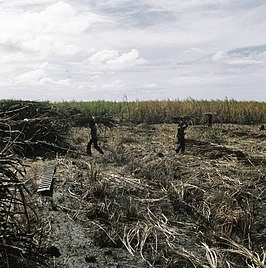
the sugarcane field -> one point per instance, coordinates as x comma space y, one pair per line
143, 184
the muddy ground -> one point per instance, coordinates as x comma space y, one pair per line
142, 205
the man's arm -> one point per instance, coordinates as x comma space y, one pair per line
184, 125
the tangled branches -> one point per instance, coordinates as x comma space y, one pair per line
19, 223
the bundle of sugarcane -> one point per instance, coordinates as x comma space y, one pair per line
19, 109
32, 127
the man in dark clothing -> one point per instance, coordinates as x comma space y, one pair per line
94, 138
210, 116
181, 136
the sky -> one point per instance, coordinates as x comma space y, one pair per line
117, 50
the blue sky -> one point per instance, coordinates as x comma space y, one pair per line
143, 49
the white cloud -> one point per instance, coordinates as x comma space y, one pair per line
143, 48
127, 59
37, 77
243, 57
103, 56
54, 30
150, 86
26, 3
220, 56
113, 60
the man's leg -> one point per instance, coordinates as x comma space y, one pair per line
183, 146
178, 148
89, 147
95, 144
